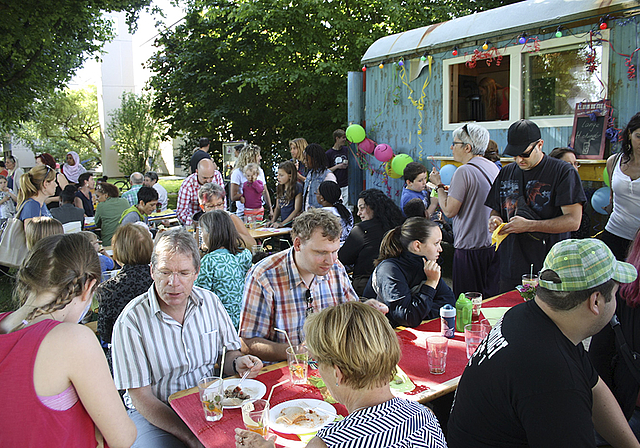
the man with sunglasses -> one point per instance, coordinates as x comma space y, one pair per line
539, 199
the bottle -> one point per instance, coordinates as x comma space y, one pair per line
448, 321
464, 312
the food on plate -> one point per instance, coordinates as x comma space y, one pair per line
298, 416
235, 396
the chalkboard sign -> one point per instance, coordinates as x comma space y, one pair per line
589, 125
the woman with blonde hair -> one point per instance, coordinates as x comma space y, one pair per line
296, 146
248, 154
54, 373
357, 352
40, 227
35, 187
132, 247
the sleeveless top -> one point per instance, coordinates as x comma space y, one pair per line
26, 421
396, 423
625, 218
87, 203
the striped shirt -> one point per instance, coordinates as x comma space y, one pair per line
396, 423
151, 348
274, 296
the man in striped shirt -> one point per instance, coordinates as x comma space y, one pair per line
168, 338
188, 204
284, 288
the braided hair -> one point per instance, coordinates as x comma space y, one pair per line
58, 265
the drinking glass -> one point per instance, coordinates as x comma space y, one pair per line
476, 300
437, 349
474, 333
211, 390
255, 416
298, 361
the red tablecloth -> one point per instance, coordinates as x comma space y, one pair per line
414, 352
221, 433
413, 362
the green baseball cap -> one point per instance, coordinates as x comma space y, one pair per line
584, 264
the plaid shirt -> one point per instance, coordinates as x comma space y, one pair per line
274, 296
188, 204
131, 195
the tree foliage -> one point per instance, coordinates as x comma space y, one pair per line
271, 70
43, 43
136, 133
66, 121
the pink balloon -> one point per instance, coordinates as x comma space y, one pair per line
383, 152
367, 145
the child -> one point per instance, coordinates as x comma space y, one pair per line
328, 195
40, 227
414, 207
7, 201
224, 268
415, 177
252, 193
106, 263
289, 196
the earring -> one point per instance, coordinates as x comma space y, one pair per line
337, 383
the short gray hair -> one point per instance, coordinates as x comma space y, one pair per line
176, 241
474, 135
136, 178
210, 190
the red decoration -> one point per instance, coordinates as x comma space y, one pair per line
455, 52
603, 25
364, 69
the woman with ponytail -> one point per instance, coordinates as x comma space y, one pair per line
328, 196
35, 187
54, 373
407, 277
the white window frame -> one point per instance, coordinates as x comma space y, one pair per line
517, 55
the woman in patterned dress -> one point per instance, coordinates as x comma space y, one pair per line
224, 267
357, 352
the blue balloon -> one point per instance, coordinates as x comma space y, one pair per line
600, 199
446, 173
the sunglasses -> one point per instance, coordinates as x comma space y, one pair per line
309, 300
526, 155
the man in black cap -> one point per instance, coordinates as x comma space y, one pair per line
537, 200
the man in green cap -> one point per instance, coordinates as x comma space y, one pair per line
530, 382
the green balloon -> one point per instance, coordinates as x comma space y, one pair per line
400, 162
605, 177
355, 133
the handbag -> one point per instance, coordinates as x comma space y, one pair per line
13, 244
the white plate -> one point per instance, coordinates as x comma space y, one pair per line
326, 413
254, 388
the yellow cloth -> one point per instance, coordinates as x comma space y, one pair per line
497, 239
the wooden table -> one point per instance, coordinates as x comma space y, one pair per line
265, 232
187, 405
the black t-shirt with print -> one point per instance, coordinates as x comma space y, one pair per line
549, 185
527, 385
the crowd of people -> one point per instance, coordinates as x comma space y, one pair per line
183, 298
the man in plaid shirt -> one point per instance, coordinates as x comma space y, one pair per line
284, 288
188, 203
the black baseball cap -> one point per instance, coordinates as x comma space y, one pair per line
521, 134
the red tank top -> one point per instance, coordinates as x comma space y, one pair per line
24, 420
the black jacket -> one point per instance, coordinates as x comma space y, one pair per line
399, 284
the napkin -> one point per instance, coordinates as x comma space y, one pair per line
497, 239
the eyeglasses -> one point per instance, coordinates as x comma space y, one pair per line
526, 155
458, 143
309, 300
165, 275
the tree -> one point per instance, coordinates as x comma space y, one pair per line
136, 133
66, 121
43, 43
271, 70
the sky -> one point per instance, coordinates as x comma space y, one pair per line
142, 48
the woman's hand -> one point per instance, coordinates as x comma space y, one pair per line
434, 177
433, 271
248, 439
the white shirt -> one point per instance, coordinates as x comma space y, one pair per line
625, 218
151, 348
162, 195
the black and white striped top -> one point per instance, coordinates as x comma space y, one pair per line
396, 423
151, 348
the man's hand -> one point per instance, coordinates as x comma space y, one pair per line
342, 166
494, 222
517, 224
248, 362
384, 309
